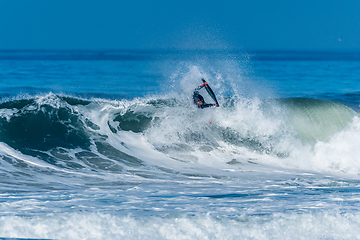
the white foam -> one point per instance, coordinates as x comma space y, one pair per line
342, 152
7, 113
321, 225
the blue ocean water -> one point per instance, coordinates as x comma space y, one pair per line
108, 145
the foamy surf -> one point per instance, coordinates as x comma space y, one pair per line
104, 226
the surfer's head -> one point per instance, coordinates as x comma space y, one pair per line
198, 99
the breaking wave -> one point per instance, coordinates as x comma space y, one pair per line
66, 133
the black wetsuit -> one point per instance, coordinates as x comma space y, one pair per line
199, 100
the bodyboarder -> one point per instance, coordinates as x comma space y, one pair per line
199, 100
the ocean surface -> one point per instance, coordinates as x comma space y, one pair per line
109, 145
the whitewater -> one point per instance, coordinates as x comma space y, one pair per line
109, 145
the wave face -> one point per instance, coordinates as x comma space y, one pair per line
315, 120
115, 136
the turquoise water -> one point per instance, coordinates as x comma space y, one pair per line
108, 145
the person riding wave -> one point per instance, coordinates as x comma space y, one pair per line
199, 100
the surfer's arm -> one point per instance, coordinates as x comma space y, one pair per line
207, 105
200, 87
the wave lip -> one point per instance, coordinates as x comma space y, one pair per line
315, 120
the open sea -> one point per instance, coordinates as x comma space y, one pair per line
109, 145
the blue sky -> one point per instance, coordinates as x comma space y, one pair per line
140, 24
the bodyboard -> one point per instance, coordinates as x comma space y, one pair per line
211, 93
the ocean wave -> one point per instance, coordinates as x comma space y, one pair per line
121, 135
